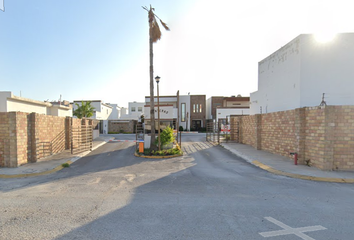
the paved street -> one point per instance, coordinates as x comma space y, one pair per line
208, 193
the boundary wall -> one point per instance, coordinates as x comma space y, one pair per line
322, 137
28, 137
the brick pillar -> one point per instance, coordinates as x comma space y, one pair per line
34, 138
300, 134
258, 132
240, 130
68, 130
11, 158
328, 158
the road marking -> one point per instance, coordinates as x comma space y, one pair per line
289, 230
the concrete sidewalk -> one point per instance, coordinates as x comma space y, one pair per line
49, 164
284, 166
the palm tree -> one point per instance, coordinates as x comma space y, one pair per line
154, 36
84, 111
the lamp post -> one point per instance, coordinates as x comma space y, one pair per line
157, 78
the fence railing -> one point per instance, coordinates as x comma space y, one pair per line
81, 139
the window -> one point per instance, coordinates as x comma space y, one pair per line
140, 109
183, 112
194, 108
133, 109
200, 108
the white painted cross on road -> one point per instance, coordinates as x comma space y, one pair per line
289, 230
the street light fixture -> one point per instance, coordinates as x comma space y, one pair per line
157, 78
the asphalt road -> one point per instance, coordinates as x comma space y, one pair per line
208, 193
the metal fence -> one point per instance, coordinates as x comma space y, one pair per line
81, 139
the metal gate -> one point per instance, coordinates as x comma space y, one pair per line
212, 132
81, 139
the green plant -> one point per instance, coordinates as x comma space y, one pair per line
166, 137
180, 128
64, 165
85, 110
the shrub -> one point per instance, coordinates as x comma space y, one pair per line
180, 128
166, 137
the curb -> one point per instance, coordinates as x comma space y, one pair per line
161, 157
287, 174
158, 157
299, 176
56, 169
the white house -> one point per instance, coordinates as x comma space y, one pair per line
304, 72
11, 103
135, 110
116, 111
221, 108
102, 111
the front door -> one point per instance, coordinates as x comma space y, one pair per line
196, 125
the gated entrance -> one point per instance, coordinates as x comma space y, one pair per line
222, 131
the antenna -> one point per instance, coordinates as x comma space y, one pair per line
323, 102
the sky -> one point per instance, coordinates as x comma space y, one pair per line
99, 50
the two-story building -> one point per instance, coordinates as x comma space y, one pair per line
220, 108
187, 111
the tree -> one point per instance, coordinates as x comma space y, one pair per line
84, 111
154, 36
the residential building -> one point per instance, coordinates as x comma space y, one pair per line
220, 108
102, 111
135, 110
306, 73
11, 103
116, 111
187, 111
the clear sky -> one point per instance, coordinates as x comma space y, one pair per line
99, 50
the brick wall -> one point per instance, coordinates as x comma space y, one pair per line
115, 126
248, 129
4, 138
278, 132
322, 136
315, 135
343, 146
27, 137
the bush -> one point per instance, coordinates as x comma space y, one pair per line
166, 137
180, 128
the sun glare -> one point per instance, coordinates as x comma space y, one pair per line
325, 37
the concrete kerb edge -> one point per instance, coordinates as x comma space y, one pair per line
282, 173
161, 157
56, 169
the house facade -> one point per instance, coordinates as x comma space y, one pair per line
306, 73
11, 103
187, 111
221, 108
102, 111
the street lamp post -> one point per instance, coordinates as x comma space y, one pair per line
157, 78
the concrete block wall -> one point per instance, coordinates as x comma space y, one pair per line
322, 136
